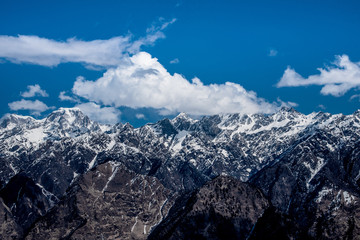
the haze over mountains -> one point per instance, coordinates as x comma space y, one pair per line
282, 175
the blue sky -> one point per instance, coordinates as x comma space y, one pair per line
140, 61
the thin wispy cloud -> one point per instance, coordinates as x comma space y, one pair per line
48, 52
35, 107
153, 33
321, 106
355, 96
337, 79
174, 61
34, 90
144, 82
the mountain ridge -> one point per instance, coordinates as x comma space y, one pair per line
317, 153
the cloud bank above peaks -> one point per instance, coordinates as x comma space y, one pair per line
104, 53
336, 80
144, 83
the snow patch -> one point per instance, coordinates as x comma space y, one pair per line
325, 191
132, 228
179, 138
313, 171
348, 198
92, 162
225, 153
35, 136
193, 162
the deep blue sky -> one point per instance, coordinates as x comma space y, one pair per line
216, 41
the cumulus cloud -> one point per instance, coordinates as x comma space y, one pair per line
48, 52
336, 79
35, 107
34, 90
174, 61
64, 97
100, 114
144, 82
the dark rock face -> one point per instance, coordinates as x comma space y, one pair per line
23, 202
9, 229
223, 208
108, 202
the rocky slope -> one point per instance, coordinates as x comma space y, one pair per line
223, 208
108, 202
307, 167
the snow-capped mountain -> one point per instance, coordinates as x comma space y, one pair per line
295, 159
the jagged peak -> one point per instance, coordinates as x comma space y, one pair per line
67, 111
290, 110
13, 116
182, 115
357, 112
16, 119
287, 113
69, 115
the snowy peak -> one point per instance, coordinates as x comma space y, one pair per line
183, 122
10, 121
69, 117
29, 132
68, 122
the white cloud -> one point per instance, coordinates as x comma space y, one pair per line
35, 107
140, 116
336, 80
272, 52
144, 82
100, 114
64, 97
174, 61
34, 90
48, 52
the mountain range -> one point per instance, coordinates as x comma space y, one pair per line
230, 176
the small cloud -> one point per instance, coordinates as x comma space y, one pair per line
272, 52
140, 116
107, 115
174, 61
35, 107
321, 106
337, 79
64, 97
34, 90
286, 104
